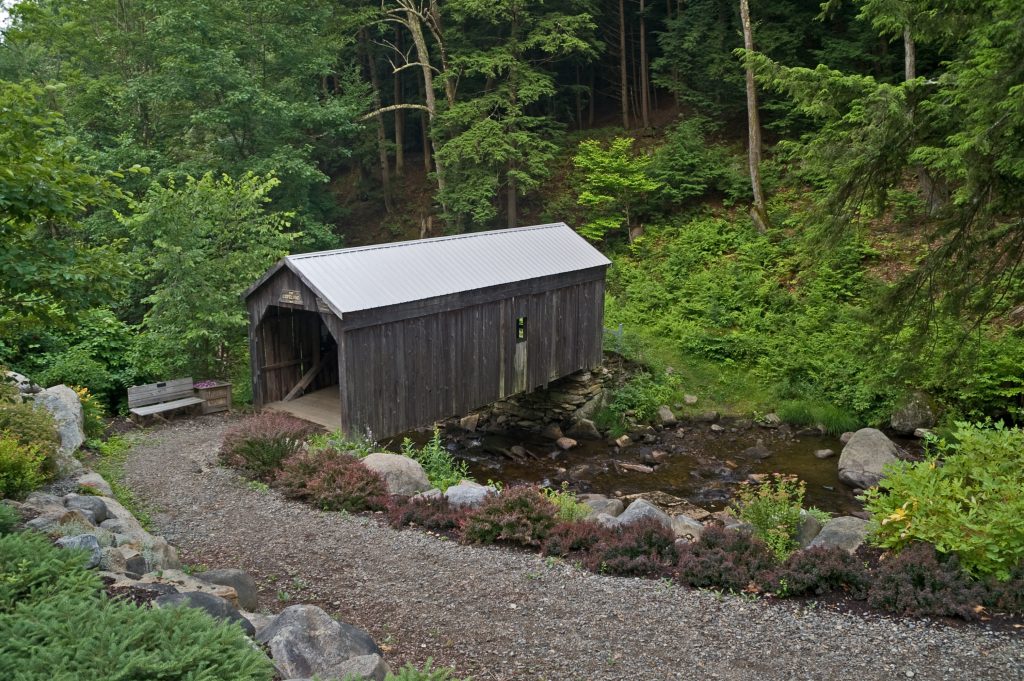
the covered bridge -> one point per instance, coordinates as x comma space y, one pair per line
386, 338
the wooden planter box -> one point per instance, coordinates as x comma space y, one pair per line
218, 398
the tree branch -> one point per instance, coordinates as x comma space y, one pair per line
393, 107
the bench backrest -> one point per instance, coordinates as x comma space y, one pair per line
155, 393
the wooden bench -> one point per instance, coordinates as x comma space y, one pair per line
154, 399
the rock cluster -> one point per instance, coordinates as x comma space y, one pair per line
303, 640
566, 402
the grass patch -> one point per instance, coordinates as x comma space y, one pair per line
109, 460
832, 419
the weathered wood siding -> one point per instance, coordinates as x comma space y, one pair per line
285, 337
411, 372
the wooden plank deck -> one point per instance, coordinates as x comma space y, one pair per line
322, 407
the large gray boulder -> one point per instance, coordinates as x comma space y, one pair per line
641, 508
242, 582
808, 528
845, 532
403, 476
369, 667
94, 483
917, 411
687, 528
66, 407
599, 503
215, 606
584, 429
468, 494
83, 542
92, 507
864, 456
305, 641
21, 382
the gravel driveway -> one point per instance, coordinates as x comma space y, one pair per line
499, 614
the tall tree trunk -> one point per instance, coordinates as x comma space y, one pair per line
645, 85
579, 100
435, 28
758, 212
423, 56
512, 206
399, 118
623, 72
909, 55
382, 136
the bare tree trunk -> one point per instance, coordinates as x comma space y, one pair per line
382, 137
645, 85
512, 206
623, 72
399, 118
909, 55
423, 56
435, 28
579, 100
758, 212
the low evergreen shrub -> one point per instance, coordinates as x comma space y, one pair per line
428, 673
645, 548
59, 624
436, 515
9, 519
257, 445
724, 559
567, 538
818, 571
520, 515
21, 468
919, 582
332, 481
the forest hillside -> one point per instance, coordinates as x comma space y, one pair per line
811, 208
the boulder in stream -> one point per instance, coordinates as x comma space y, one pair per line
864, 456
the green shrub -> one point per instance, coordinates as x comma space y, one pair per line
641, 395
257, 445
21, 468
428, 673
93, 413
520, 515
58, 624
966, 498
773, 509
32, 426
359, 446
570, 508
32, 571
441, 468
9, 519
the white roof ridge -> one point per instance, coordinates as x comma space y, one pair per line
414, 242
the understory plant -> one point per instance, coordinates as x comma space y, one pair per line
436, 515
773, 509
818, 571
966, 498
645, 548
569, 507
21, 468
258, 444
32, 426
441, 468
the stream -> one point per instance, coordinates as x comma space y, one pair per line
696, 462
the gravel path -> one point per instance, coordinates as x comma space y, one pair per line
498, 614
